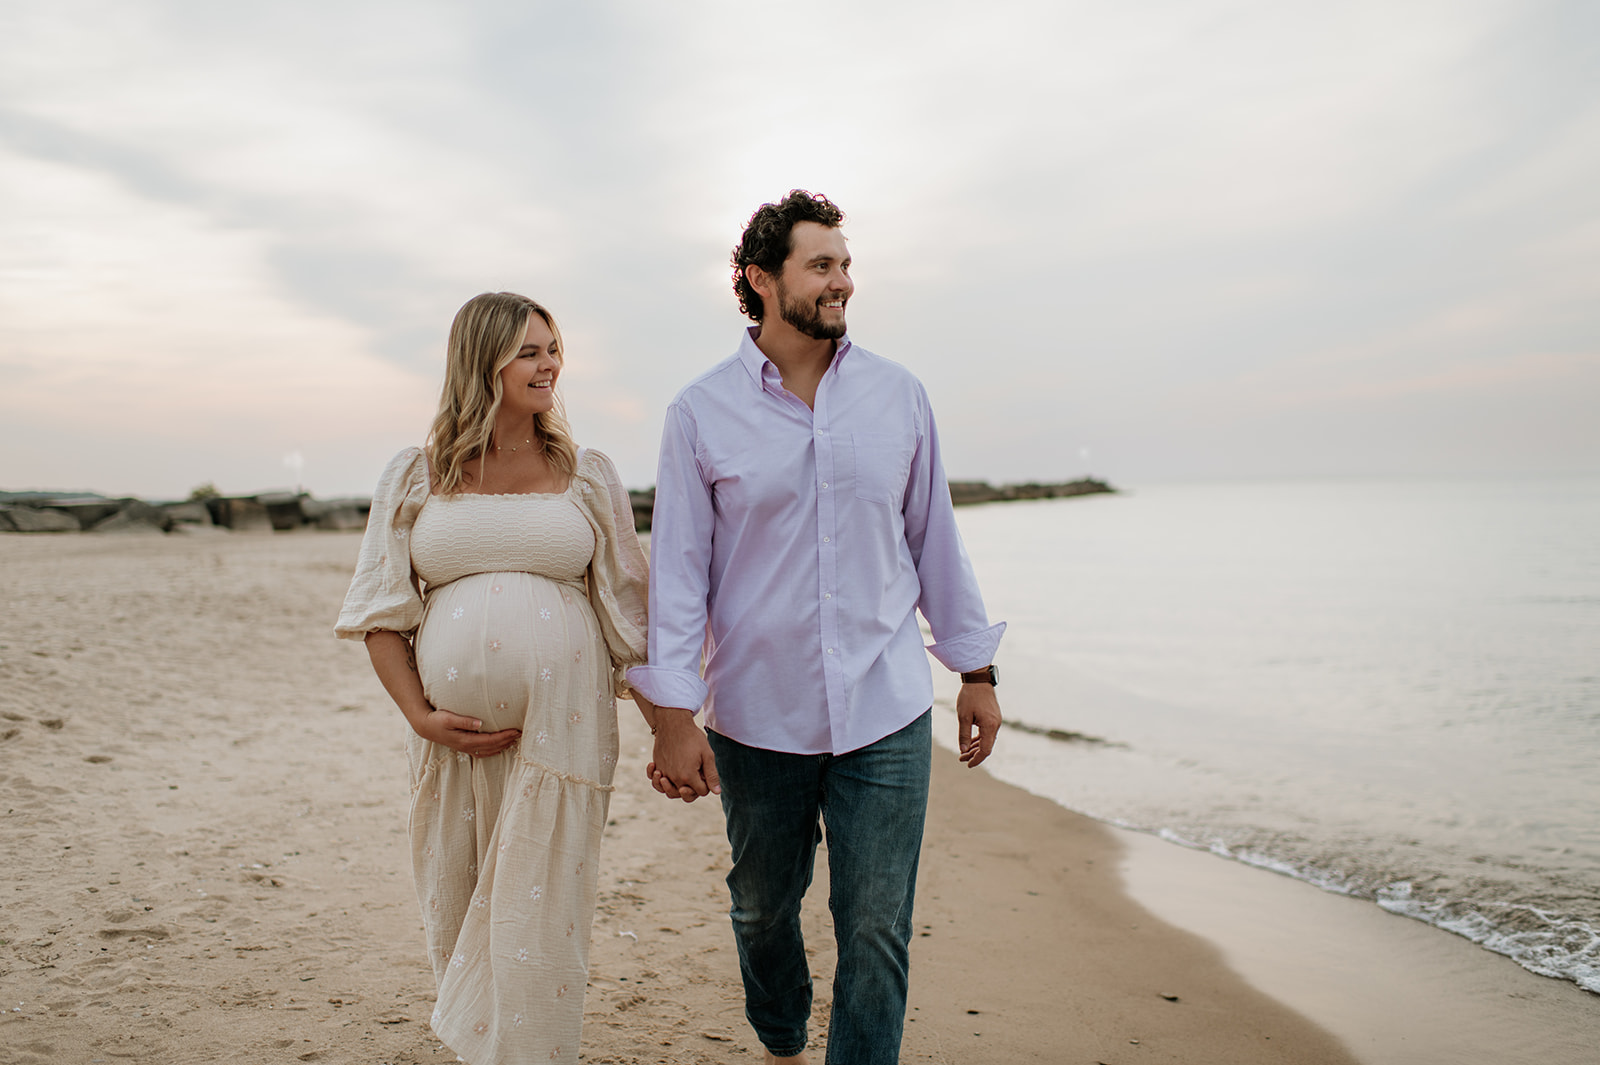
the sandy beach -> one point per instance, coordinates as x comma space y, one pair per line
204, 841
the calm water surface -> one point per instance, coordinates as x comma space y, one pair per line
1388, 688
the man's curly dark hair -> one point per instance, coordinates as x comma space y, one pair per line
766, 242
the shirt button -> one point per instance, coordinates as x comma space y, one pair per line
827, 539
830, 650
827, 595
824, 484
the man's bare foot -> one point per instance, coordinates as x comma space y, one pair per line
798, 1059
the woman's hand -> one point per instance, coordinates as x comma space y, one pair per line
396, 666
460, 733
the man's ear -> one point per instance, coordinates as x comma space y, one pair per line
759, 280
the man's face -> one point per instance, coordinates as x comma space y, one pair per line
815, 284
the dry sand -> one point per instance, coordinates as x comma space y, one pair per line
203, 840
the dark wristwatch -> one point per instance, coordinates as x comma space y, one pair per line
986, 675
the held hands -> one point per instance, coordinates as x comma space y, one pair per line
977, 705
684, 767
460, 733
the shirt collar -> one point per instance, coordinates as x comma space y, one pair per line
759, 365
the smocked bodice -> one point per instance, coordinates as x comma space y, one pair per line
546, 535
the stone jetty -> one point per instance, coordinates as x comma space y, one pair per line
47, 512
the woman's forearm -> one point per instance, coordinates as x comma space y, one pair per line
646, 707
396, 665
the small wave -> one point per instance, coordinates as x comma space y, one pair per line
1540, 940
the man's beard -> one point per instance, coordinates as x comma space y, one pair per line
806, 318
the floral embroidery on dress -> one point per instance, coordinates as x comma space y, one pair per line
460, 962
481, 1028
536, 894
608, 759
458, 613
580, 869
527, 790
495, 589
479, 902
546, 673
468, 814
502, 706
494, 645
541, 737
504, 846
516, 1020
561, 992
522, 955
401, 534
570, 927
577, 656
556, 1053
452, 673
575, 717
544, 613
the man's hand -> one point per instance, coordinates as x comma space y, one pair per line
977, 705
684, 767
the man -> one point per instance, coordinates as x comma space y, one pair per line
801, 519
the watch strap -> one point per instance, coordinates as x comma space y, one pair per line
986, 675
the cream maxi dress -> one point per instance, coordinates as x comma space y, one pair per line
525, 609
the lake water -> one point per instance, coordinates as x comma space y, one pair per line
1388, 688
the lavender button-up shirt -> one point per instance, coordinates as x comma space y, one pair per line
791, 550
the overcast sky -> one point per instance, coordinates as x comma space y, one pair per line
1197, 238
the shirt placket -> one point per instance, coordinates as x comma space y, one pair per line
828, 566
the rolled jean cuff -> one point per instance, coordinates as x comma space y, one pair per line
801, 1049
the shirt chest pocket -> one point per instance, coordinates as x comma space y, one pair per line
881, 466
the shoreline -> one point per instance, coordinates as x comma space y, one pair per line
1391, 988
205, 821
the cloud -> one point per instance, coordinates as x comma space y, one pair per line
1074, 220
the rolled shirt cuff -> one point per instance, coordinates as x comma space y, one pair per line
967, 652
669, 687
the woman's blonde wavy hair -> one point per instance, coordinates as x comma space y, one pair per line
486, 335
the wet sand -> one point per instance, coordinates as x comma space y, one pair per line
204, 813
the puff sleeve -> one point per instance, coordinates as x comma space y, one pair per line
384, 593
619, 576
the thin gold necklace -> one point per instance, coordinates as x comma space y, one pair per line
525, 443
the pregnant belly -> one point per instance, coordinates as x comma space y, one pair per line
497, 645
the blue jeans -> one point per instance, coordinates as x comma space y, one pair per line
873, 802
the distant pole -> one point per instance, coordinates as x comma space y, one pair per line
296, 463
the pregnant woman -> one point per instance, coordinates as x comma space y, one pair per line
501, 593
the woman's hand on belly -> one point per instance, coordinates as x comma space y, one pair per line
460, 733
396, 665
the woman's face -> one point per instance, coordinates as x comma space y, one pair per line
528, 383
